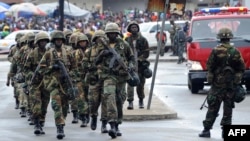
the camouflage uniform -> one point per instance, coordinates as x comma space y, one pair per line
67, 33
114, 78
139, 45
53, 79
10, 58
95, 95
24, 52
80, 104
225, 67
38, 96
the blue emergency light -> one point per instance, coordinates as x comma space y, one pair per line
223, 9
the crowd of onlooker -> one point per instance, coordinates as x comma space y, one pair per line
98, 20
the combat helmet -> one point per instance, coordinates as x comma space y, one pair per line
42, 35
147, 73
225, 33
73, 37
18, 36
112, 28
30, 37
57, 34
81, 37
98, 33
132, 23
67, 32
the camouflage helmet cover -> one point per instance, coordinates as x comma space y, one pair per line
57, 35
98, 33
132, 23
112, 28
67, 32
73, 37
42, 35
30, 36
18, 36
81, 37
225, 33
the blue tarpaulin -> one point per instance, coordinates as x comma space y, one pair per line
2, 14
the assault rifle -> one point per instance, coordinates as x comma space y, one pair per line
71, 90
134, 78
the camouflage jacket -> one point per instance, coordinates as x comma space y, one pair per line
225, 57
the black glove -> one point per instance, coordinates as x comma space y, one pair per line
55, 67
105, 53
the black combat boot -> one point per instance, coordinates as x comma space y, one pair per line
42, 123
93, 123
60, 132
112, 130
17, 103
118, 132
130, 105
38, 128
23, 112
141, 105
205, 133
104, 126
84, 120
75, 117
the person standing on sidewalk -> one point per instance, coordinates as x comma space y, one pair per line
140, 48
225, 67
180, 43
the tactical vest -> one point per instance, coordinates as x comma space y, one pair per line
62, 57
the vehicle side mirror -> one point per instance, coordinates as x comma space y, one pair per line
189, 39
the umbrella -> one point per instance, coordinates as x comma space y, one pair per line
26, 8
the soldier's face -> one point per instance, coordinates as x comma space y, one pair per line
42, 43
112, 36
58, 42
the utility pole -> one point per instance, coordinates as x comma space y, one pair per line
61, 14
157, 55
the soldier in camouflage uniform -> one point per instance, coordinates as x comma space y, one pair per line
114, 77
139, 45
80, 104
172, 33
24, 52
95, 95
67, 33
39, 97
10, 58
55, 81
225, 67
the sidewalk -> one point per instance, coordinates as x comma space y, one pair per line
158, 110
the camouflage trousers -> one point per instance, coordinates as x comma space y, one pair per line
96, 98
22, 97
39, 101
139, 89
214, 99
109, 95
59, 100
80, 103
120, 98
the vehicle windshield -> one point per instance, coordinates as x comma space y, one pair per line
11, 36
208, 29
144, 27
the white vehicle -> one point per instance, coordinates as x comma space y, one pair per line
9, 41
149, 30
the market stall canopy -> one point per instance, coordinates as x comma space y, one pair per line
12, 1
25, 10
3, 8
69, 10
